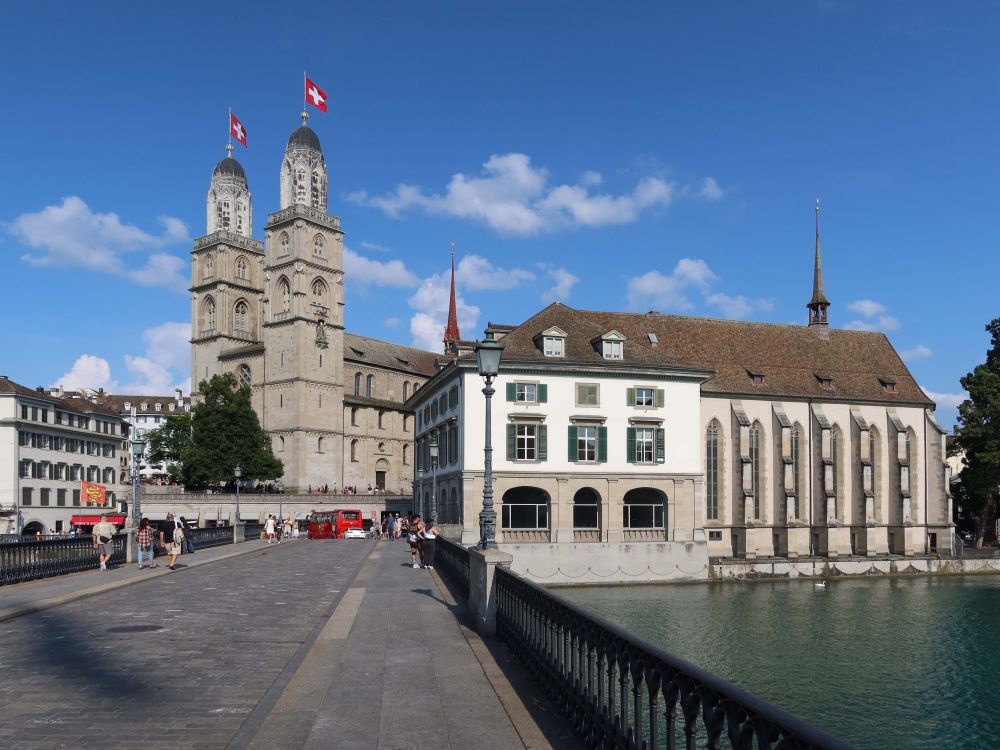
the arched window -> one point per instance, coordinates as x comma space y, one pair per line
712, 471
209, 267
222, 215
525, 508
319, 292
406, 454
284, 294
239, 216
369, 385
354, 450
280, 444
795, 454
644, 508
241, 269
243, 375
319, 445
755, 483
318, 246
354, 417
835, 469
357, 384
300, 186
873, 456
285, 242
242, 311
586, 510
208, 317
406, 391
381, 417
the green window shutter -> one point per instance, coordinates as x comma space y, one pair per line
630, 444
543, 443
543, 393
661, 440
511, 442
572, 452
659, 398
602, 444
630, 397
511, 391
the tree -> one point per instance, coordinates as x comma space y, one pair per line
978, 435
169, 442
221, 433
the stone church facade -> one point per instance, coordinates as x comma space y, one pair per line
271, 313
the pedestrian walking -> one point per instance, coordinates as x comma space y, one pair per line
397, 526
390, 527
287, 531
171, 537
104, 534
430, 535
269, 530
144, 541
415, 539
188, 537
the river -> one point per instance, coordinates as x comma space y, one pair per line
882, 663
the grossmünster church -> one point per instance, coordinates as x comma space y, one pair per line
271, 312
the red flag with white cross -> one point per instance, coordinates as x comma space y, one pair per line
315, 95
237, 130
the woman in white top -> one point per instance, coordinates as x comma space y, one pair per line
429, 535
269, 529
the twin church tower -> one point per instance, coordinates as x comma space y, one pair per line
272, 314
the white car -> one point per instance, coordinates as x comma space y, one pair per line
354, 533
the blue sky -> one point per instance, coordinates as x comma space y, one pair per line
631, 156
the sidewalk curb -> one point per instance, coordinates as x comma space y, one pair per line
55, 601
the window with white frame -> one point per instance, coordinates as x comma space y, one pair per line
612, 349
553, 346
644, 397
526, 392
586, 443
526, 448
645, 438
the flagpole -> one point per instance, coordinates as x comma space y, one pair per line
305, 78
229, 128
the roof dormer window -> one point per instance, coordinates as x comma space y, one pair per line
128, 406
756, 376
612, 345
825, 380
888, 384
156, 406
553, 342
143, 406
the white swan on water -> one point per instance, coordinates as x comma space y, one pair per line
820, 584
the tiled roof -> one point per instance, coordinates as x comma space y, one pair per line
117, 402
351, 400
788, 356
385, 354
69, 404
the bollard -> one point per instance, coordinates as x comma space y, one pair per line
482, 588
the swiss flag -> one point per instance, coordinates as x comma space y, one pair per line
315, 95
237, 130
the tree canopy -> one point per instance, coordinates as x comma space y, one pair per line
978, 435
221, 433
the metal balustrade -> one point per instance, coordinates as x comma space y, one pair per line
27, 560
618, 691
454, 560
214, 537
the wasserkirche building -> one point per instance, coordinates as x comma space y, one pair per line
271, 312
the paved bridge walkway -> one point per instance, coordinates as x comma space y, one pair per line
307, 644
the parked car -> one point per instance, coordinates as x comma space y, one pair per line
355, 533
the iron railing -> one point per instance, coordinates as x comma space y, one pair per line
618, 691
214, 537
252, 531
454, 560
30, 559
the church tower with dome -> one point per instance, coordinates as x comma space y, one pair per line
272, 314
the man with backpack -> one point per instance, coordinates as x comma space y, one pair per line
104, 534
171, 537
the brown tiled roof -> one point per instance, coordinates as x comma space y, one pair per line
789, 356
351, 400
117, 402
385, 354
70, 403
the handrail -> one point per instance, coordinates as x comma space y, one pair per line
454, 560
618, 690
41, 558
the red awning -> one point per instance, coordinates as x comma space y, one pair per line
91, 520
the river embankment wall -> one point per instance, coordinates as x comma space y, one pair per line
743, 570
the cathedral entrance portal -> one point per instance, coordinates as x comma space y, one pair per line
381, 474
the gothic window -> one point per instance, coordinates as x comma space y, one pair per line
354, 450
318, 246
755, 483
873, 457
222, 215
285, 241
712, 470
208, 318
318, 189
284, 295
242, 317
319, 445
319, 292
209, 267
244, 375
795, 450
406, 454
406, 391
357, 384
369, 385
241, 269
300, 186
239, 216
835, 461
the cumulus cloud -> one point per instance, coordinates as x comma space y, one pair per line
657, 291
918, 352
946, 400
163, 367
563, 283
874, 317
475, 273
391, 322
72, 235
514, 197
740, 306
364, 271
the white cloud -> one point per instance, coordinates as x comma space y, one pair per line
430, 302
391, 322
475, 273
514, 197
72, 235
874, 314
168, 355
946, 400
563, 283
374, 247
710, 190
918, 352
364, 271
655, 291
739, 306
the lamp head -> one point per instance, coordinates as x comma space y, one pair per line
138, 447
434, 445
237, 472
488, 353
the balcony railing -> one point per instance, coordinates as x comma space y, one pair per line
618, 691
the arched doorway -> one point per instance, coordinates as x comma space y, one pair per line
644, 514
524, 515
586, 515
381, 474
33, 528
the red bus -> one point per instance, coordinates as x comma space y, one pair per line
331, 524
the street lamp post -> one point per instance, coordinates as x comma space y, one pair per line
237, 472
488, 361
138, 448
417, 495
434, 478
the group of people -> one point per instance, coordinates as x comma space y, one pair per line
275, 528
173, 535
422, 538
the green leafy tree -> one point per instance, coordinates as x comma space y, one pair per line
221, 433
169, 442
978, 435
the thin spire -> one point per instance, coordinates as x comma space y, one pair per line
451, 333
818, 304
229, 150
304, 115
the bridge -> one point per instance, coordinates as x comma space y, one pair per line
342, 644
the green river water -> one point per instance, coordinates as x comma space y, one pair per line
881, 663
